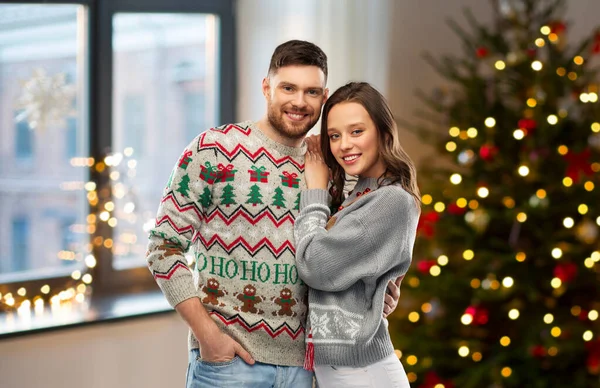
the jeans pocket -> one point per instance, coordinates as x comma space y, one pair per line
218, 364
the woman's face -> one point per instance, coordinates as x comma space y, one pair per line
354, 141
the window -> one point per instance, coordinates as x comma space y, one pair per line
112, 91
71, 138
158, 98
23, 139
194, 113
20, 245
70, 240
134, 117
40, 46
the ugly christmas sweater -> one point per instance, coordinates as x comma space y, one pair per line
347, 263
232, 199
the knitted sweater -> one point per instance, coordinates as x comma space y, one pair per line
232, 199
348, 266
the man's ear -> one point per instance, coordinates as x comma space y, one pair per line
266, 87
325, 95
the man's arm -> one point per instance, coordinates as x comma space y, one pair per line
179, 217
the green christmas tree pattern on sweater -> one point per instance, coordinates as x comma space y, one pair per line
184, 185
227, 196
206, 198
254, 197
278, 199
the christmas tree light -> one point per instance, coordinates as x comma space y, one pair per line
507, 252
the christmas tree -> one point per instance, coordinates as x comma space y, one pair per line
205, 198
254, 197
278, 199
184, 185
297, 202
504, 286
227, 196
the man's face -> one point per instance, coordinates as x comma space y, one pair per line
295, 96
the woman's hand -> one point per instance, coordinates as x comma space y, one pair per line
316, 172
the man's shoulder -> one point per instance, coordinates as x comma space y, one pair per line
243, 128
215, 136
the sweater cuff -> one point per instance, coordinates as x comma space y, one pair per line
179, 289
314, 196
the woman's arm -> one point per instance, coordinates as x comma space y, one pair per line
365, 243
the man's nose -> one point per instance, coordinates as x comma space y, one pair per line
299, 100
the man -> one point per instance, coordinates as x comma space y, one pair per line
233, 195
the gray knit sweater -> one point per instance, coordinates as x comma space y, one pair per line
348, 266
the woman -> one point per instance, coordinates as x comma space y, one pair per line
348, 259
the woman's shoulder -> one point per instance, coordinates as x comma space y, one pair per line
395, 193
394, 198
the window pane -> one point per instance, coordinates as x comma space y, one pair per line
165, 85
20, 245
193, 113
71, 138
42, 202
24, 135
134, 117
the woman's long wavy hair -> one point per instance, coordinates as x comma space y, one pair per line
399, 166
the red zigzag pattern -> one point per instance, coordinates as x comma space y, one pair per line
167, 275
240, 241
261, 325
239, 148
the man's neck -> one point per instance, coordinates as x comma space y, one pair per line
275, 135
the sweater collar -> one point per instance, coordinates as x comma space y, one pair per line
362, 187
271, 144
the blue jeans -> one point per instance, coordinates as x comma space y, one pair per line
237, 374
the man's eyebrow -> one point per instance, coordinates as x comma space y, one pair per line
286, 83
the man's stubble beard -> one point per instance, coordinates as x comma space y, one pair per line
276, 121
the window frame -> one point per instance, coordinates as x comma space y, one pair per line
99, 72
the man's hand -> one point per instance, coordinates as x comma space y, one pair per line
219, 347
392, 296
215, 346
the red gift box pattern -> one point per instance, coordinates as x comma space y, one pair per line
290, 180
258, 174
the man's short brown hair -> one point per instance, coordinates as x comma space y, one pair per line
298, 53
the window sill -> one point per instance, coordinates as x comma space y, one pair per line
101, 309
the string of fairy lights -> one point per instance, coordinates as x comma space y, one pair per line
478, 218
102, 208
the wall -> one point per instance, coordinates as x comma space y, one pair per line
147, 352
